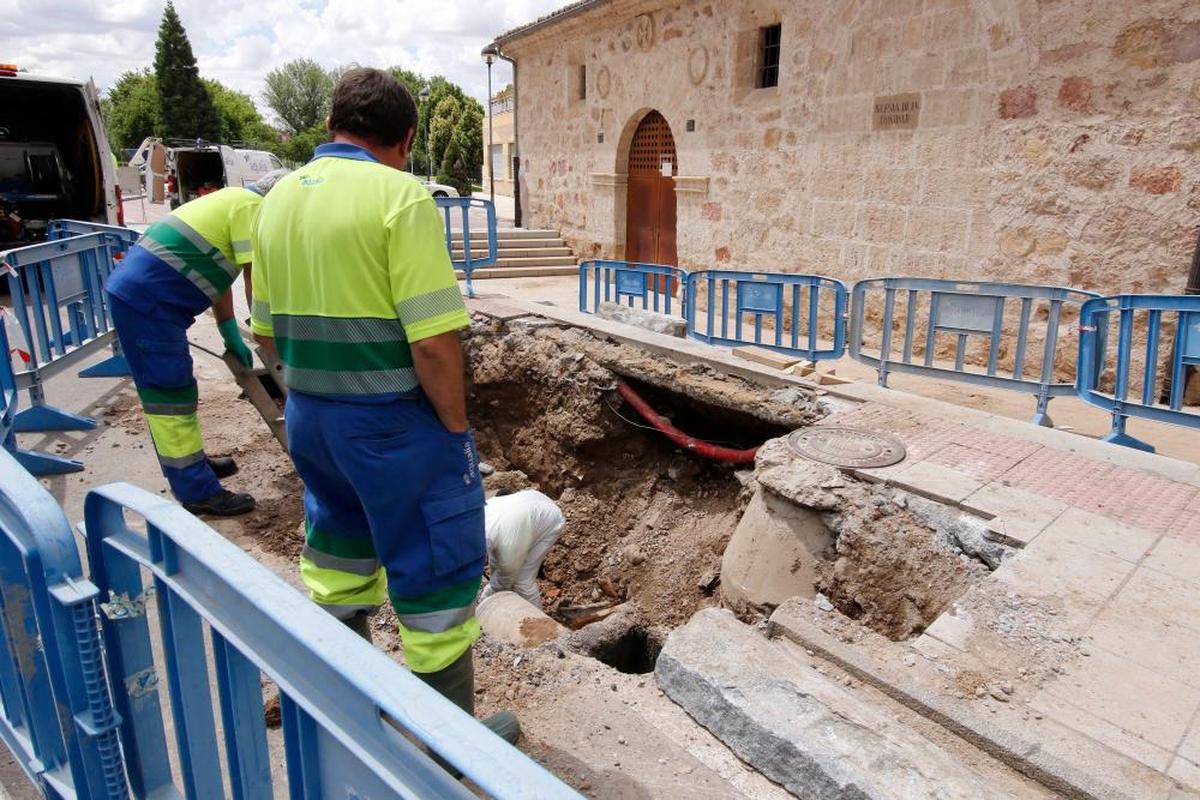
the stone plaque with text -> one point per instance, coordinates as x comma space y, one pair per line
896, 112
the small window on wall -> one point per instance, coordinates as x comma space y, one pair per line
582, 82
769, 49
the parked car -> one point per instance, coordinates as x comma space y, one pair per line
55, 159
440, 189
197, 168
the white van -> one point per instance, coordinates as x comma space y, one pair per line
197, 168
260, 162
55, 161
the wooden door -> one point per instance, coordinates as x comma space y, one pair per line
650, 204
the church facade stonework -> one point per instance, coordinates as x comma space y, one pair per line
1032, 141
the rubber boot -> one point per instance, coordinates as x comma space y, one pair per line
457, 684
360, 623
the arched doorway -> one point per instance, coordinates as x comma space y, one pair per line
650, 204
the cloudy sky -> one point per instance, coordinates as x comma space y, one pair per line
238, 42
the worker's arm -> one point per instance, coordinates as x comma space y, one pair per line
223, 307
438, 361
227, 325
247, 276
430, 307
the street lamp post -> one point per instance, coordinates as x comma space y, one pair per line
423, 95
489, 55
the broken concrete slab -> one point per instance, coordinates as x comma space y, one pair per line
643, 318
801, 728
508, 617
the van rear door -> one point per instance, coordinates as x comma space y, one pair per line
108, 167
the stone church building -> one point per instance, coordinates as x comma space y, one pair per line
1035, 141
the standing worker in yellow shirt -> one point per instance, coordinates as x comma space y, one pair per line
181, 266
354, 288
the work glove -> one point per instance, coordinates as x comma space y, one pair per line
234, 342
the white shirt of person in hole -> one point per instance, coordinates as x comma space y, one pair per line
521, 529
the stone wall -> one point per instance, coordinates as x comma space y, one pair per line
1056, 141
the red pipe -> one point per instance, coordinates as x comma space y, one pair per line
692, 444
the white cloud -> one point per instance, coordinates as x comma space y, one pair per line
238, 42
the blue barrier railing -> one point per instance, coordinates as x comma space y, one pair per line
472, 256
650, 287
967, 312
57, 290
1138, 317
779, 311
57, 719
66, 228
353, 719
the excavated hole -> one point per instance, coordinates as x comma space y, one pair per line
634, 652
647, 522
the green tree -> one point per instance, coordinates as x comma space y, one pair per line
299, 146
456, 139
240, 120
418, 158
131, 109
185, 108
299, 93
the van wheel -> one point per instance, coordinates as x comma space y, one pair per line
440, 194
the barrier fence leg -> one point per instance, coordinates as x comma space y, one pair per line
1118, 435
1042, 416
41, 417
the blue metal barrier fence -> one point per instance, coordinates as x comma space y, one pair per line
793, 311
57, 719
1134, 315
470, 258
651, 287
66, 228
966, 311
57, 290
353, 719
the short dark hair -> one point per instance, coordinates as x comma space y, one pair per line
371, 104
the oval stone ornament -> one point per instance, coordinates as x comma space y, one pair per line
847, 447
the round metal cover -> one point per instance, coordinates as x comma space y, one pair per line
847, 447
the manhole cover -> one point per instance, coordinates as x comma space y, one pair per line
847, 447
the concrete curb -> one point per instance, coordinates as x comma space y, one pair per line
1031, 758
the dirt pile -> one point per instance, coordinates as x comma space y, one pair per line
646, 522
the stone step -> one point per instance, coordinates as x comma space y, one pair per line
809, 731
537, 261
504, 234
508, 251
544, 271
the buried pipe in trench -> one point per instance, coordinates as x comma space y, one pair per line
690, 443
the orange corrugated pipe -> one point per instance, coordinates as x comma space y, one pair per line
690, 443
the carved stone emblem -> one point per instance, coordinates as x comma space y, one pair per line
643, 31
698, 65
603, 82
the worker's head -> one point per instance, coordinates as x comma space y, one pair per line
264, 184
373, 109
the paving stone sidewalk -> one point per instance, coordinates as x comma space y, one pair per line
1111, 552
